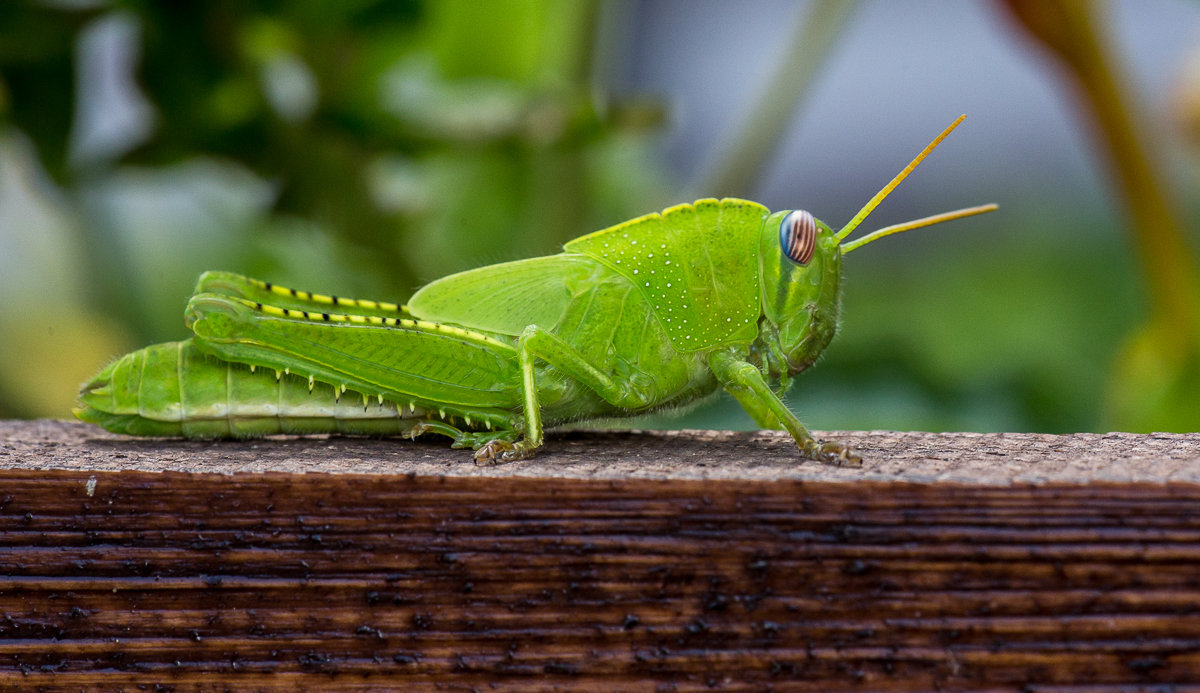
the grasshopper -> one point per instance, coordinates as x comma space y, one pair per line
650, 314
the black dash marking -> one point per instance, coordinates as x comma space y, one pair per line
258, 306
336, 300
325, 317
293, 291
267, 285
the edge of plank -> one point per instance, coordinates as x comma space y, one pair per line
962, 458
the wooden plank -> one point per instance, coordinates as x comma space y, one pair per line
615, 562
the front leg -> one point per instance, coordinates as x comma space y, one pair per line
746, 384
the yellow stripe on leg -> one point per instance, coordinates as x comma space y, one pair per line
329, 300
403, 323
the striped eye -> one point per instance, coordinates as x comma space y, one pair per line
798, 236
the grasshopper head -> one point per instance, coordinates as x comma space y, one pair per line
801, 272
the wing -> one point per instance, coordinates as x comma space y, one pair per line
508, 297
697, 266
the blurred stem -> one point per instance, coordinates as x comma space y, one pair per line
557, 198
1071, 29
742, 161
574, 24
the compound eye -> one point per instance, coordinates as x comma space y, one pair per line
798, 236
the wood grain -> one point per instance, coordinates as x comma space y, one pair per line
261, 566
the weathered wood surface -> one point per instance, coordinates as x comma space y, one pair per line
613, 562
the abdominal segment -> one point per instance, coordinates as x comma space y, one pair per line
173, 389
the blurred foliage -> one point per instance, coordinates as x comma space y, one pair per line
364, 147
357, 147
1156, 379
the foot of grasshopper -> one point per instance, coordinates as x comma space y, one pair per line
491, 446
836, 454
497, 451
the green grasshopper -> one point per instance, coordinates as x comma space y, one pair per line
647, 315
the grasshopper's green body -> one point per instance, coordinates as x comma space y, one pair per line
653, 313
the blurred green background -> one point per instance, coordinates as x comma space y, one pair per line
365, 147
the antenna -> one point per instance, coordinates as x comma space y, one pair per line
887, 189
916, 224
